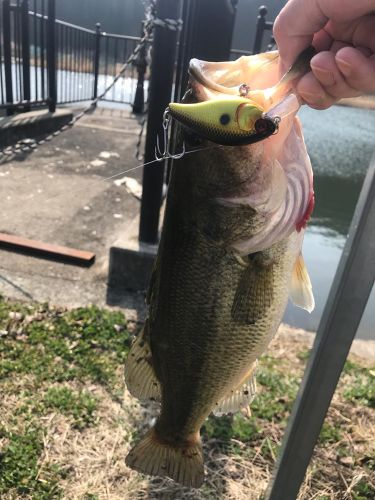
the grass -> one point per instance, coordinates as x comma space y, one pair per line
65, 426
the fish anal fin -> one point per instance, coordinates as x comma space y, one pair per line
183, 463
301, 292
239, 398
140, 376
254, 294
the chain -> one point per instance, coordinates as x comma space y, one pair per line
171, 24
27, 145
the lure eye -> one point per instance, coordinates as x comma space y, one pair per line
224, 119
264, 126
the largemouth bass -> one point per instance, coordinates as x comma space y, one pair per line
229, 256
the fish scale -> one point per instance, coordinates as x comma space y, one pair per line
213, 309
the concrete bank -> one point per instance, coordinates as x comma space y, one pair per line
34, 124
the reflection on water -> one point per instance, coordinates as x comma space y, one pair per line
340, 142
335, 201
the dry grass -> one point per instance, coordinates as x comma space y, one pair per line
86, 461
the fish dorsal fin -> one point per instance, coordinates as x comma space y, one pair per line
254, 294
139, 373
240, 397
301, 292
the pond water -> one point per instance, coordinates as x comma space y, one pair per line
340, 142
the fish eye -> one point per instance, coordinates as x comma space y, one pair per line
224, 119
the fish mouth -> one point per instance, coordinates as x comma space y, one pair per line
240, 102
247, 75
256, 72
255, 77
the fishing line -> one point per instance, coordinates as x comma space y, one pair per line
106, 179
158, 161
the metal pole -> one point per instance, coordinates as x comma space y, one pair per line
7, 55
261, 26
342, 314
139, 99
51, 56
160, 91
97, 59
208, 41
25, 52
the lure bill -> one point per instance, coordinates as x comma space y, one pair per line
228, 259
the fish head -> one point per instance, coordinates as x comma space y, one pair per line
246, 104
240, 102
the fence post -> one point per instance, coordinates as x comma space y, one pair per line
7, 55
160, 92
342, 314
141, 64
25, 52
208, 41
51, 56
96, 60
261, 27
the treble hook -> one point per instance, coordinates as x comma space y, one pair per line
163, 155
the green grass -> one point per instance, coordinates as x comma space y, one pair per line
363, 491
62, 362
329, 434
80, 405
362, 389
19, 469
42, 351
63, 346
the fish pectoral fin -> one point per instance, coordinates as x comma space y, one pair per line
140, 376
183, 462
240, 397
254, 292
301, 292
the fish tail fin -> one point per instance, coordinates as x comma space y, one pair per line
182, 463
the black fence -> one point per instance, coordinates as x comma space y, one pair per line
45, 61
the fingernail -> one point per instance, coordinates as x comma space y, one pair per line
324, 75
311, 98
345, 67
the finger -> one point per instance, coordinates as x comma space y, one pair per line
358, 32
313, 93
327, 73
358, 70
322, 40
299, 20
338, 45
364, 32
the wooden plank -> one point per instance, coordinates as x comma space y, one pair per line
46, 250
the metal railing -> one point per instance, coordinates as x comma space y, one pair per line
262, 26
46, 61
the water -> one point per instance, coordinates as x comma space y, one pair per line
340, 142
76, 86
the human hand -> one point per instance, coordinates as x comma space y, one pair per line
343, 33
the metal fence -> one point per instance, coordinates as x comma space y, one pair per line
262, 26
46, 61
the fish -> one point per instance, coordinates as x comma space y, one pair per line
228, 259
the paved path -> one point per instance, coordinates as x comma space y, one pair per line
58, 195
